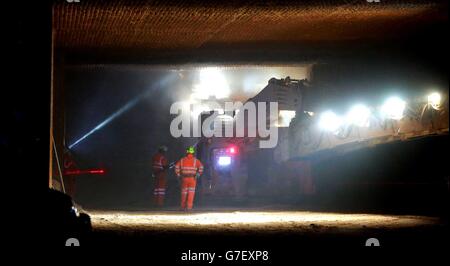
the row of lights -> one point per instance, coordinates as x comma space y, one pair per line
359, 115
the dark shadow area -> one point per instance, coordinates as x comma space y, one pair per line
409, 177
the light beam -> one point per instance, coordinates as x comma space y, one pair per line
119, 112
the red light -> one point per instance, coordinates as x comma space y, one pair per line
232, 150
99, 171
84, 172
72, 172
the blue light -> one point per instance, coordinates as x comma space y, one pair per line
224, 160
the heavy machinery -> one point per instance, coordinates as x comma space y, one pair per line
237, 167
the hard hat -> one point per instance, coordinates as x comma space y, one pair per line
190, 149
163, 148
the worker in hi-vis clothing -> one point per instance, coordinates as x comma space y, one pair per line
188, 169
159, 166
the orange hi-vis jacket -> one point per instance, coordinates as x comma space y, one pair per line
159, 161
188, 166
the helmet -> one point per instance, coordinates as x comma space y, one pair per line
163, 148
190, 149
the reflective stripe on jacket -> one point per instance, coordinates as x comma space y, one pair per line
188, 166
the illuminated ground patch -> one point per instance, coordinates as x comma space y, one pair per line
245, 220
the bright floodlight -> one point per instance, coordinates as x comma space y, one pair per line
434, 99
393, 108
224, 160
212, 83
330, 121
285, 117
358, 115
